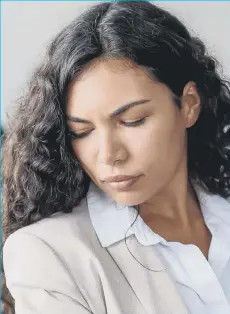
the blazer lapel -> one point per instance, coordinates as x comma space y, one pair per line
153, 286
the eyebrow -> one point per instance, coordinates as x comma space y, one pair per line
115, 113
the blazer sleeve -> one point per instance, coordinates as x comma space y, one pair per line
38, 279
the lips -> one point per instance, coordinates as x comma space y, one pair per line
121, 183
119, 178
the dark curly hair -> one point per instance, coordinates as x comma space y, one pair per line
41, 175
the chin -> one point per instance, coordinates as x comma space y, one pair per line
128, 198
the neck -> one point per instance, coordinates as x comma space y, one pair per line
176, 202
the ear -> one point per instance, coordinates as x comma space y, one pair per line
190, 104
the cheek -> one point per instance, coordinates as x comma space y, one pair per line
84, 154
161, 147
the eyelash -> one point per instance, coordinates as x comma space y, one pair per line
136, 123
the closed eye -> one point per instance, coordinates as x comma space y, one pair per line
74, 135
134, 123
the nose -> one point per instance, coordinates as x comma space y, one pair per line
111, 149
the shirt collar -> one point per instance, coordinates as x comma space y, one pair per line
110, 219
216, 213
113, 222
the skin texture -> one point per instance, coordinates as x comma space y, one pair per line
155, 149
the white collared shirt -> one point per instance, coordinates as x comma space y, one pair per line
204, 285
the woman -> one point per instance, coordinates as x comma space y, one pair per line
116, 174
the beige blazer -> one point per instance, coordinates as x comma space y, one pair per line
58, 266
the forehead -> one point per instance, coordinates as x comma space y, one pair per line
108, 84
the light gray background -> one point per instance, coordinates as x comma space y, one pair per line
27, 27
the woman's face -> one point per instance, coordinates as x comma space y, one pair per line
126, 125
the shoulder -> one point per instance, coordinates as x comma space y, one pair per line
48, 259
59, 227
58, 248
55, 237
